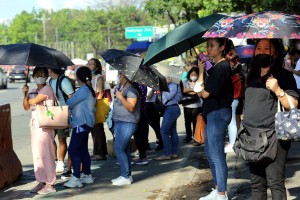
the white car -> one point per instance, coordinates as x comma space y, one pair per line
3, 79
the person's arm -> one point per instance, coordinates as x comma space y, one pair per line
26, 105
128, 103
204, 94
78, 96
100, 87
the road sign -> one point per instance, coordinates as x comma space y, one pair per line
139, 31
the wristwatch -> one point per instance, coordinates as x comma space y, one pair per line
281, 94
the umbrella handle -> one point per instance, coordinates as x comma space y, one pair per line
27, 76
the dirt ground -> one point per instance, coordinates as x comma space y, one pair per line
201, 183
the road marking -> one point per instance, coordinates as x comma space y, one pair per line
2, 91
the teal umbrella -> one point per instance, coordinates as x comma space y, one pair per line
180, 40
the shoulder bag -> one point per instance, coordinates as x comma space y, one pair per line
256, 145
199, 130
287, 123
102, 109
52, 117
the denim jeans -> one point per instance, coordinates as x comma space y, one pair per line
232, 128
79, 153
168, 130
215, 130
123, 133
270, 175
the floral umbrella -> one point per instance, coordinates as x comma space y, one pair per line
267, 24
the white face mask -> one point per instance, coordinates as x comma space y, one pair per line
40, 80
194, 78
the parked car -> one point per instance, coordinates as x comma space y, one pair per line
19, 73
3, 79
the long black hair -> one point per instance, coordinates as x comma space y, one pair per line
276, 66
84, 74
228, 45
98, 67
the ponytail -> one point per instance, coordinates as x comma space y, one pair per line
85, 75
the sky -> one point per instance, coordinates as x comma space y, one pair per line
10, 8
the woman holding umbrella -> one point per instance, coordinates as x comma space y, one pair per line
267, 82
126, 115
217, 93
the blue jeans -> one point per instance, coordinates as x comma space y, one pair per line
123, 132
79, 153
232, 128
168, 130
215, 130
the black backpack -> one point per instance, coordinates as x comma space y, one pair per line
60, 78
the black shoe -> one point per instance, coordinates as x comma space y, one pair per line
158, 148
66, 174
187, 140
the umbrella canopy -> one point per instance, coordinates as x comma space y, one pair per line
170, 71
138, 47
246, 51
30, 54
180, 40
268, 24
130, 65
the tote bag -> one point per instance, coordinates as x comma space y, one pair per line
52, 117
199, 130
102, 108
287, 123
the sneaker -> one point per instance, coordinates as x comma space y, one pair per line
37, 188
163, 157
221, 197
60, 166
122, 181
211, 196
143, 161
67, 174
114, 180
132, 163
73, 182
88, 179
228, 148
47, 189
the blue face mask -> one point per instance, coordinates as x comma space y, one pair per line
94, 71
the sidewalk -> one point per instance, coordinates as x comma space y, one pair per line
155, 180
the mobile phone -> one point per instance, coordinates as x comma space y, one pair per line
202, 57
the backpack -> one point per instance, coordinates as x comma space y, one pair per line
60, 78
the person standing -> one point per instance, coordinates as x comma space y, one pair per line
41, 138
82, 105
266, 83
217, 94
101, 90
126, 115
63, 90
192, 108
168, 128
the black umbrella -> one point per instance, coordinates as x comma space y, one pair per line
30, 54
131, 66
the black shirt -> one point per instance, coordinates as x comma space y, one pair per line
218, 83
261, 104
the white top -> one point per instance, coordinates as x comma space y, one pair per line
297, 78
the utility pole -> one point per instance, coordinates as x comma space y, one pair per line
108, 34
44, 19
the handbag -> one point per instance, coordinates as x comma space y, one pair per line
160, 107
199, 130
52, 117
102, 108
189, 99
256, 144
287, 123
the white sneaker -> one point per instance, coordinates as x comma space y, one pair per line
60, 166
221, 197
211, 196
73, 182
122, 181
130, 178
88, 179
228, 148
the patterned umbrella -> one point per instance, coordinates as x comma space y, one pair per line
131, 66
267, 24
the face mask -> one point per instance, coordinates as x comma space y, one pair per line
263, 60
194, 78
40, 80
94, 71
